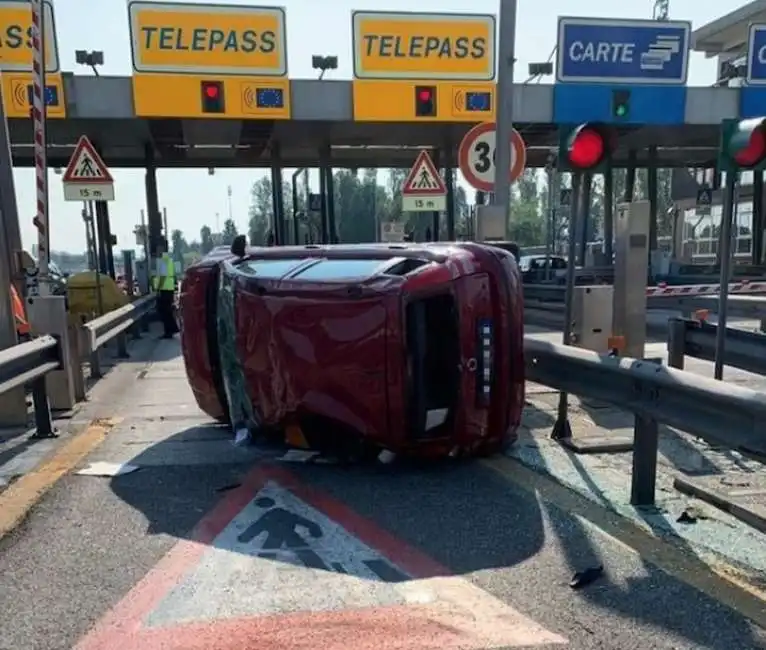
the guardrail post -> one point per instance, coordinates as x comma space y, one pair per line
75, 358
646, 435
43, 422
676, 342
95, 365
646, 443
122, 346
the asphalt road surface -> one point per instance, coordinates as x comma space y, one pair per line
209, 546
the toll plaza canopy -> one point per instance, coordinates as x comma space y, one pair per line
202, 96
729, 33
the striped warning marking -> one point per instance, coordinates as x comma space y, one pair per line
278, 566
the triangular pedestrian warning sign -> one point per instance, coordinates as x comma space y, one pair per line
423, 179
86, 166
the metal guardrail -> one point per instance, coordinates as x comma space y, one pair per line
744, 350
28, 364
99, 331
720, 413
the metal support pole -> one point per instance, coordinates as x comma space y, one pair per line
154, 220
435, 215
630, 178
562, 430
449, 181
9, 212
551, 216
652, 190
105, 228
39, 121
506, 60
727, 217
609, 215
323, 204
759, 223
330, 198
584, 217
294, 188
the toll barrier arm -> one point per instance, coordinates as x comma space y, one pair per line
750, 306
28, 364
115, 324
720, 413
744, 350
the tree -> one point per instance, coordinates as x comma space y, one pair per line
527, 227
178, 244
261, 212
229, 232
206, 240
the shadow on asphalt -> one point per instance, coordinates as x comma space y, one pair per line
460, 514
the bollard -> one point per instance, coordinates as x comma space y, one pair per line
646, 443
676, 343
43, 422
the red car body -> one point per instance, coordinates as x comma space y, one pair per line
414, 348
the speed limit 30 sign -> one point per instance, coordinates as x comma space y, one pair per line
477, 154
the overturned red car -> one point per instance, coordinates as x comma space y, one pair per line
410, 348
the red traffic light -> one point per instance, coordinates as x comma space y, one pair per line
425, 101
587, 148
754, 151
212, 91
212, 97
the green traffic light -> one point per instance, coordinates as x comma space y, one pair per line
621, 111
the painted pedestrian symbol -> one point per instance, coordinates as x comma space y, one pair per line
281, 527
282, 530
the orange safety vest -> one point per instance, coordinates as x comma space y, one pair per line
22, 325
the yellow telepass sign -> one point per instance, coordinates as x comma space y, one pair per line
16, 36
208, 39
423, 46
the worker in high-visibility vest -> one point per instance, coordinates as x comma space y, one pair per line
19, 315
164, 283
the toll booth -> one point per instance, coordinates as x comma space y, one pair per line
592, 317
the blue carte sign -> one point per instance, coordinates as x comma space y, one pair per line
756, 56
603, 50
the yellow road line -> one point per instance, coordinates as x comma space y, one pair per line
21, 496
719, 581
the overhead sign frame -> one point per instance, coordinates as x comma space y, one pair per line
52, 62
239, 17
97, 184
619, 38
755, 77
444, 27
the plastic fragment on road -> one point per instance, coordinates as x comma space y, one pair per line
242, 437
102, 468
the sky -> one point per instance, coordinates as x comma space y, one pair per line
192, 197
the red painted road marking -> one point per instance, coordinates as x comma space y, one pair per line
463, 617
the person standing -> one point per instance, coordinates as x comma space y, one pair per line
165, 285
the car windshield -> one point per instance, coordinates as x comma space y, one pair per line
340, 269
270, 268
